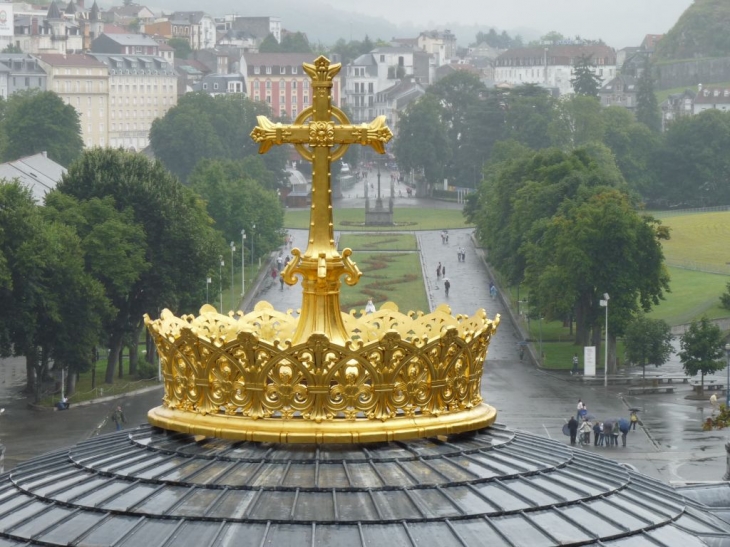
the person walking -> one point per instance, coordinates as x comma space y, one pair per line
118, 418
596, 432
602, 434
585, 430
624, 427
443, 271
281, 282
438, 271
615, 433
633, 419
447, 285
581, 407
573, 429
574, 370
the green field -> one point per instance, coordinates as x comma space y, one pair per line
700, 239
386, 277
379, 242
409, 219
693, 295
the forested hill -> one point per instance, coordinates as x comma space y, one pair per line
703, 30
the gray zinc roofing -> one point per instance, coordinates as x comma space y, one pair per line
493, 487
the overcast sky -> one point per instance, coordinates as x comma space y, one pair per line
619, 22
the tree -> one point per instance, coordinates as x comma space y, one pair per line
38, 121
552, 37
295, 42
237, 202
269, 45
585, 81
725, 298
577, 122
647, 107
201, 126
701, 349
180, 243
422, 144
648, 341
12, 48
181, 46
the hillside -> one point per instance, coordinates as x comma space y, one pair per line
703, 30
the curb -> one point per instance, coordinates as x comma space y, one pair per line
100, 399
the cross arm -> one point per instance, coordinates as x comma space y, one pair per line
268, 133
375, 134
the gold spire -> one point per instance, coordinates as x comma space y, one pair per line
321, 141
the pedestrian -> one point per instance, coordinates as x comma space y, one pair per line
279, 261
370, 307
624, 427
602, 434
581, 407
118, 418
443, 271
447, 286
492, 290
281, 282
273, 273
608, 433
633, 419
596, 432
615, 433
585, 429
438, 271
574, 370
573, 429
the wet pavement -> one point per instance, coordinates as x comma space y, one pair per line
670, 444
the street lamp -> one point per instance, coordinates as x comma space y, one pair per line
220, 280
604, 304
233, 250
253, 227
243, 271
208, 281
727, 386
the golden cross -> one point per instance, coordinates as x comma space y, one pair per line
319, 140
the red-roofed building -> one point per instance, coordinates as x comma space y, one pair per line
712, 98
279, 80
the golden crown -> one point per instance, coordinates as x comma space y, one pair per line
324, 376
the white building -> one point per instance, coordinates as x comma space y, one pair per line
712, 98
552, 66
195, 26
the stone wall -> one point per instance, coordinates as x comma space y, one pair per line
691, 72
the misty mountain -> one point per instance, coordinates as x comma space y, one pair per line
320, 21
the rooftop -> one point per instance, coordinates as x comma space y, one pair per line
70, 59
37, 172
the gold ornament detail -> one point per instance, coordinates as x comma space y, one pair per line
323, 376
399, 374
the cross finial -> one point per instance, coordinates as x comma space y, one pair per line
321, 141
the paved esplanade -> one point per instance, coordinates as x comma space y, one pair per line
525, 397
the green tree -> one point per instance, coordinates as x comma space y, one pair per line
12, 48
552, 37
585, 81
295, 42
701, 349
269, 45
422, 143
530, 116
647, 106
236, 202
701, 31
201, 126
648, 342
37, 121
577, 121
180, 246
181, 46
725, 298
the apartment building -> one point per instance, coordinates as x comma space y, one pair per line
82, 82
279, 80
20, 72
142, 88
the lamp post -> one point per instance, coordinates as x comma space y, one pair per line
220, 280
604, 304
727, 385
208, 281
233, 250
253, 227
243, 271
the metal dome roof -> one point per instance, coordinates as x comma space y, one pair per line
493, 487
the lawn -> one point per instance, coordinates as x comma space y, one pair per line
379, 242
699, 241
407, 219
693, 295
395, 277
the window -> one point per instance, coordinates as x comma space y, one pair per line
112, 112
215, 85
293, 111
294, 85
268, 70
370, 87
282, 70
257, 70
205, 86
382, 58
268, 84
101, 128
114, 126
268, 99
294, 70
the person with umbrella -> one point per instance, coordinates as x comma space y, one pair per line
608, 432
623, 426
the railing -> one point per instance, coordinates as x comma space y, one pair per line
679, 212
